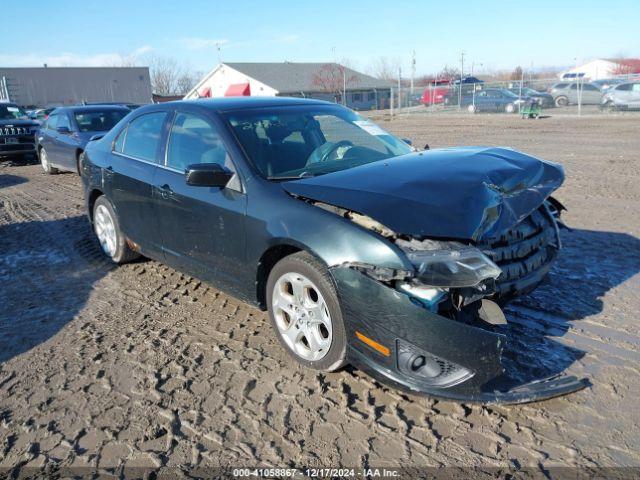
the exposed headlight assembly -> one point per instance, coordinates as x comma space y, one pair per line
455, 266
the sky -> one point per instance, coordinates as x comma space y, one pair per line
493, 34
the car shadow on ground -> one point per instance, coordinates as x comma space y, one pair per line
590, 264
47, 272
8, 180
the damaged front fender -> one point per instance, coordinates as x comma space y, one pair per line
429, 353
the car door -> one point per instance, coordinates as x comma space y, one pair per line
591, 95
47, 136
634, 96
202, 228
128, 179
65, 142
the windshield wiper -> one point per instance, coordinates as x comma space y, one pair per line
304, 174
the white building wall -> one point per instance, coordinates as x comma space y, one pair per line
222, 77
595, 70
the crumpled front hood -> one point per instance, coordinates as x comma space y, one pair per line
461, 193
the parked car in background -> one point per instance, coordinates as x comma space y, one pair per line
41, 114
625, 96
564, 94
64, 136
544, 99
435, 92
340, 230
17, 132
491, 100
467, 80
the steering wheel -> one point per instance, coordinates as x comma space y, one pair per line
323, 157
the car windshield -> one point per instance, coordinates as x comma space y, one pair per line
300, 141
98, 120
11, 112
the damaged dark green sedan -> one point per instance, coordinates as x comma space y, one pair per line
363, 250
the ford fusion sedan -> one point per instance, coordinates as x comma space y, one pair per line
17, 132
362, 250
67, 130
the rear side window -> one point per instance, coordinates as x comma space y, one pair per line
625, 88
636, 87
99, 121
52, 122
194, 140
143, 136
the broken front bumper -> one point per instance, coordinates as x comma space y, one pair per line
424, 352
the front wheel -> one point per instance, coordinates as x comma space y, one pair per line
44, 161
510, 108
472, 108
562, 101
305, 313
107, 229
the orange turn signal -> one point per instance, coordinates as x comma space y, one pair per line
373, 344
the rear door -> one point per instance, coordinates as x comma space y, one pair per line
65, 143
591, 95
202, 228
129, 179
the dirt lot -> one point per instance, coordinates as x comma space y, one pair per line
143, 366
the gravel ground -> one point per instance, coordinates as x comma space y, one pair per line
142, 366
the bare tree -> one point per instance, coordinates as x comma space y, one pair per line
385, 68
517, 73
164, 75
332, 78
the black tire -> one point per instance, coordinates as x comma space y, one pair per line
123, 253
44, 162
305, 264
561, 101
510, 108
78, 162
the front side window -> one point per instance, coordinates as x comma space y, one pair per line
98, 121
194, 140
625, 88
636, 87
143, 136
297, 141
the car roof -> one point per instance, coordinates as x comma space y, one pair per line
234, 103
94, 108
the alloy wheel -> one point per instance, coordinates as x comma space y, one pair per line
105, 230
302, 316
44, 160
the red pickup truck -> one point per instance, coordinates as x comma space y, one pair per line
435, 92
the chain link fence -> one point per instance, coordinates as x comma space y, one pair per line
541, 96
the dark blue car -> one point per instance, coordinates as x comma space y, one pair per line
362, 250
64, 136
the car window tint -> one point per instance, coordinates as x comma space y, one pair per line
118, 144
194, 140
625, 87
52, 122
63, 121
143, 136
591, 88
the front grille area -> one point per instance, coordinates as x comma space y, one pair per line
11, 131
524, 253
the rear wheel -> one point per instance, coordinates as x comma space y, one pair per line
305, 313
44, 161
79, 162
472, 109
562, 101
510, 108
107, 229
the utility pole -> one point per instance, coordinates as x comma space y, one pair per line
461, 77
399, 87
219, 48
413, 69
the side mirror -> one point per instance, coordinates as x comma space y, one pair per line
64, 130
426, 146
208, 175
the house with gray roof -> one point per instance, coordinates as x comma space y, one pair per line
324, 81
